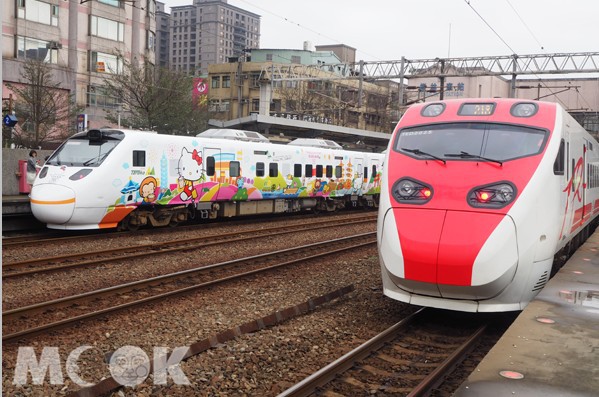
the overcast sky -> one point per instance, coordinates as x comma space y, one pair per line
424, 29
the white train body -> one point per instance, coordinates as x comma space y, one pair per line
109, 178
469, 221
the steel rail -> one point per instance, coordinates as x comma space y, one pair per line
324, 375
36, 308
160, 248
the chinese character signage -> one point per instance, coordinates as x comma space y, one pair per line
200, 91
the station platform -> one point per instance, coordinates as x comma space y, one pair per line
16, 204
552, 348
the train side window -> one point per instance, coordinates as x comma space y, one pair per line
365, 173
259, 169
329, 171
319, 171
338, 172
273, 170
210, 166
297, 170
308, 170
373, 170
139, 158
558, 165
234, 169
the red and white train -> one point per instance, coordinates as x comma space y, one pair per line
478, 198
111, 178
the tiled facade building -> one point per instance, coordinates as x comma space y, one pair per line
80, 41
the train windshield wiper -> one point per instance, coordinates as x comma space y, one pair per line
421, 153
98, 159
466, 155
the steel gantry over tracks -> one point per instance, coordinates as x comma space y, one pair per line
508, 65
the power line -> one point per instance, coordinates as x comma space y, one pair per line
303, 27
525, 25
490, 27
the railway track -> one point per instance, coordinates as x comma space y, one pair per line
63, 237
27, 321
80, 260
411, 358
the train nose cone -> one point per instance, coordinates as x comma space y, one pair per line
52, 203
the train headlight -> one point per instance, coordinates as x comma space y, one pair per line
82, 173
525, 109
433, 110
495, 195
410, 191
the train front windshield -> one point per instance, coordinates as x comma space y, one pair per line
460, 140
81, 151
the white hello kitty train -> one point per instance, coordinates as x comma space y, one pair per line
112, 178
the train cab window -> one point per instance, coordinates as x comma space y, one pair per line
234, 169
273, 170
210, 166
559, 164
471, 141
338, 172
297, 170
365, 173
319, 171
329, 171
308, 169
259, 169
139, 158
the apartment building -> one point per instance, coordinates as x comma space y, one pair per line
83, 41
208, 32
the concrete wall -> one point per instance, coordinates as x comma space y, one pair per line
10, 166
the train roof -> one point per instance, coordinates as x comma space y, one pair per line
313, 142
236, 135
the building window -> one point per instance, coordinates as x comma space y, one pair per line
96, 96
216, 82
105, 63
255, 105
226, 81
151, 40
151, 7
296, 59
28, 48
38, 11
115, 3
107, 28
269, 57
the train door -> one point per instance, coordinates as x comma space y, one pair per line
214, 173
358, 177
375, 169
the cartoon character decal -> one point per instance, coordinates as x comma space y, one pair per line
147, 189
191, 171
357, 183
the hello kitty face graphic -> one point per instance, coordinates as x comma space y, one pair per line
190, 165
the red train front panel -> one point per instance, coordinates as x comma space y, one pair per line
449, 219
